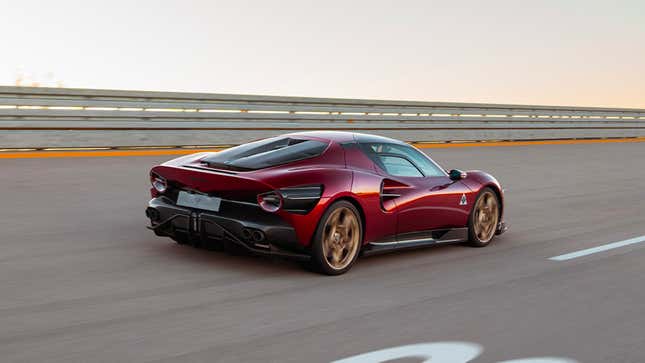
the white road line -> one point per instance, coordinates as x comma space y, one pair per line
607, 247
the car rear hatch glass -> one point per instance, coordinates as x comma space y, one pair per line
265, 153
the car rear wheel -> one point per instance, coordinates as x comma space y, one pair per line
338, 238
484, 218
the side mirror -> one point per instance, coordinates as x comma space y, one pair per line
456, 174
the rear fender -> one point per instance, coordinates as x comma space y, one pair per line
335, 181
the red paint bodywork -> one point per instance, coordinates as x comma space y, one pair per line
425, 203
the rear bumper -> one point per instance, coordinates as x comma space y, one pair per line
247, 226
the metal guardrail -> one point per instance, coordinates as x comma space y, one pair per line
56, 117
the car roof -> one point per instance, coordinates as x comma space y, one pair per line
344, 136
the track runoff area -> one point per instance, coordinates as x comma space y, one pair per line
83, 280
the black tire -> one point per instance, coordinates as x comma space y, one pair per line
490, 219
327, 234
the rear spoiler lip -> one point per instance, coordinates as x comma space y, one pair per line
227, 172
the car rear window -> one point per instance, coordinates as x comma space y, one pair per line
265, 153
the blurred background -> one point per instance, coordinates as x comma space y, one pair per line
527, 52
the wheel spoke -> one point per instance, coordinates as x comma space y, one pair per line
489, 202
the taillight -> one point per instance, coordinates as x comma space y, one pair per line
159, 183
270, 202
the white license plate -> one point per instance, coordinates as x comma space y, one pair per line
198, 201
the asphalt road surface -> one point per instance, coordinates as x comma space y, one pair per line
81, 279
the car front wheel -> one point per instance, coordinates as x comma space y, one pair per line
484, 218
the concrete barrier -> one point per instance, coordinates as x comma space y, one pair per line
52, 117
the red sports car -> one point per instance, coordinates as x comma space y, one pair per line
324, 197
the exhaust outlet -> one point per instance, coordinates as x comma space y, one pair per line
258, 236
247, 234
153, 214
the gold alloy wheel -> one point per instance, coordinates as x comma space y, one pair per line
341, 238
486, 216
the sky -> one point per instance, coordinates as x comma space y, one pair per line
587, 53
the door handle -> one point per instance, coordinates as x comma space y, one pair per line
438, 187
389, 195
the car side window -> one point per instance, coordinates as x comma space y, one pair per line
398, 166
407, 153
427, 167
